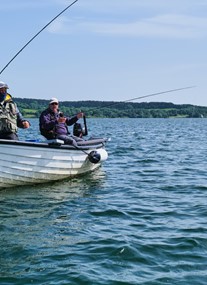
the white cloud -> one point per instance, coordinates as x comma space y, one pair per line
123, 7
163, 26
59, 25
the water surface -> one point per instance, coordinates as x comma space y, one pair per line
139, 219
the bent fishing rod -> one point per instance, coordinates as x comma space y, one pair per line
94, 156
37, 35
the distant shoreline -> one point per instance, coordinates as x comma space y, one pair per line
31, 108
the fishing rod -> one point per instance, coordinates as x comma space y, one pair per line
145, 96
37, 35
93, 156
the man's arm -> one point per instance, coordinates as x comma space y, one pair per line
21, 122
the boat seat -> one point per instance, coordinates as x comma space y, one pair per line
54, 142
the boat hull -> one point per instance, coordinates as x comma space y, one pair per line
24, 163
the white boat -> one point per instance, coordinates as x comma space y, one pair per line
31, 162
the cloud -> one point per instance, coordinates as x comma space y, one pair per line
62, 25
162, 26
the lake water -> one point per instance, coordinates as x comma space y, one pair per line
139, 219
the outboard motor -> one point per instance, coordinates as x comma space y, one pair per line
79, 130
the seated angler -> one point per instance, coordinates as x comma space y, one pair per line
53, 125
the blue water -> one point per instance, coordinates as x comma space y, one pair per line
139, 219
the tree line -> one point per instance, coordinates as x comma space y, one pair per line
111, 109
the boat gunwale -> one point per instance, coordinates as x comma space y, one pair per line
55, 144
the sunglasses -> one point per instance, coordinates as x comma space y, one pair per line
54, 103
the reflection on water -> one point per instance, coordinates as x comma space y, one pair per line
70, 188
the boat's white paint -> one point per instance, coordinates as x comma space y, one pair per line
29, 164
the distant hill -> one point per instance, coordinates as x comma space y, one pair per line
112, 109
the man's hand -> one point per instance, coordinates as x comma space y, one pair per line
80, 115
26, 124
61, 120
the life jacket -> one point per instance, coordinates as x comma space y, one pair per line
8, 116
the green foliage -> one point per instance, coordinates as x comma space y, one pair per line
34, 107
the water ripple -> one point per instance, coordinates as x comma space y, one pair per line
140, 219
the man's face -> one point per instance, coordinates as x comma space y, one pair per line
3, 90
54, 107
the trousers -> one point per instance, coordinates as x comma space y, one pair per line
9, 136
69, 139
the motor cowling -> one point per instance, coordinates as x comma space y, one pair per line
78, 130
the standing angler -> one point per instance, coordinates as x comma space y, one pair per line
10, 117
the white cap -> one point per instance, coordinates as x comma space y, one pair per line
53, 100
3, 85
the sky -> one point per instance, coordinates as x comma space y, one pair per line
109, 50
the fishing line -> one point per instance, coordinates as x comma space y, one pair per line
36, 35
145, 96
132, 99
